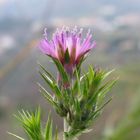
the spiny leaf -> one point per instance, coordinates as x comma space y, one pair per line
18, 137
47, 80
48, 96
48, 129
62, 71
107, 73
78, 108
53, 85
104, 89
58, 93
78, 67
46, 72
94, 114
85, 85
95, 83
56, 134
31, 123
78, 82
91, 73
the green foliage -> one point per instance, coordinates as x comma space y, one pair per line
81, 101
78, 98
31, 123
63, 73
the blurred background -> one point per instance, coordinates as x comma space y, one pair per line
116, 29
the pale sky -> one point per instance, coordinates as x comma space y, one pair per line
3, 2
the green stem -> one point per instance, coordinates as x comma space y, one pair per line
65, 129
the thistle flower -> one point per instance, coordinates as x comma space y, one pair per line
77, 97
67, 46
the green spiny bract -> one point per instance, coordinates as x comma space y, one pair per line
31, 123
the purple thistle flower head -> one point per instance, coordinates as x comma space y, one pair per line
67, 46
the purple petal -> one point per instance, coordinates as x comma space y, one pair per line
47, 48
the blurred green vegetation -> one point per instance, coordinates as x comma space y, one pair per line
128, 126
